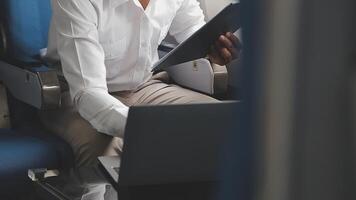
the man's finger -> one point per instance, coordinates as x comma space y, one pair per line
234, 40
225, 42
234, 52
225, 53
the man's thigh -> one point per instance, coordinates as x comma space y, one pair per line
157, 92
87, 144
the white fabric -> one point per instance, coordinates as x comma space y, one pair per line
197, 75
111, 45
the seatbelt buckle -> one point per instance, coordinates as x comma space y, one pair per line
41, 173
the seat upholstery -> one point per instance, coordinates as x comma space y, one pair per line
27, 145
22, 151
27, 25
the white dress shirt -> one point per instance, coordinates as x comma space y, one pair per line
111, 45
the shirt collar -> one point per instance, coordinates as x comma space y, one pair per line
116, 3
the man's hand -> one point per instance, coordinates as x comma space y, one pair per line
226, 49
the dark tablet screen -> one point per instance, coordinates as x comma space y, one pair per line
198, 45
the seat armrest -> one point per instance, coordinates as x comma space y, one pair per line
201, 76
220, 74
38, 86
196, 75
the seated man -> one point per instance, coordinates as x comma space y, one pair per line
106, 49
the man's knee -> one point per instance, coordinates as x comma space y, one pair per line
97, 144
87, 144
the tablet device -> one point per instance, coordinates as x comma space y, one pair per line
198, 45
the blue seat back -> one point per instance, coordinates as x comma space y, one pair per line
27, 25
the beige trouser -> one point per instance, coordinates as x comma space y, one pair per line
87, 143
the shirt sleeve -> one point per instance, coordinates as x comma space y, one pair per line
82, 60
189, 18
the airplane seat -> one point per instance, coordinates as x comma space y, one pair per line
30, 86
